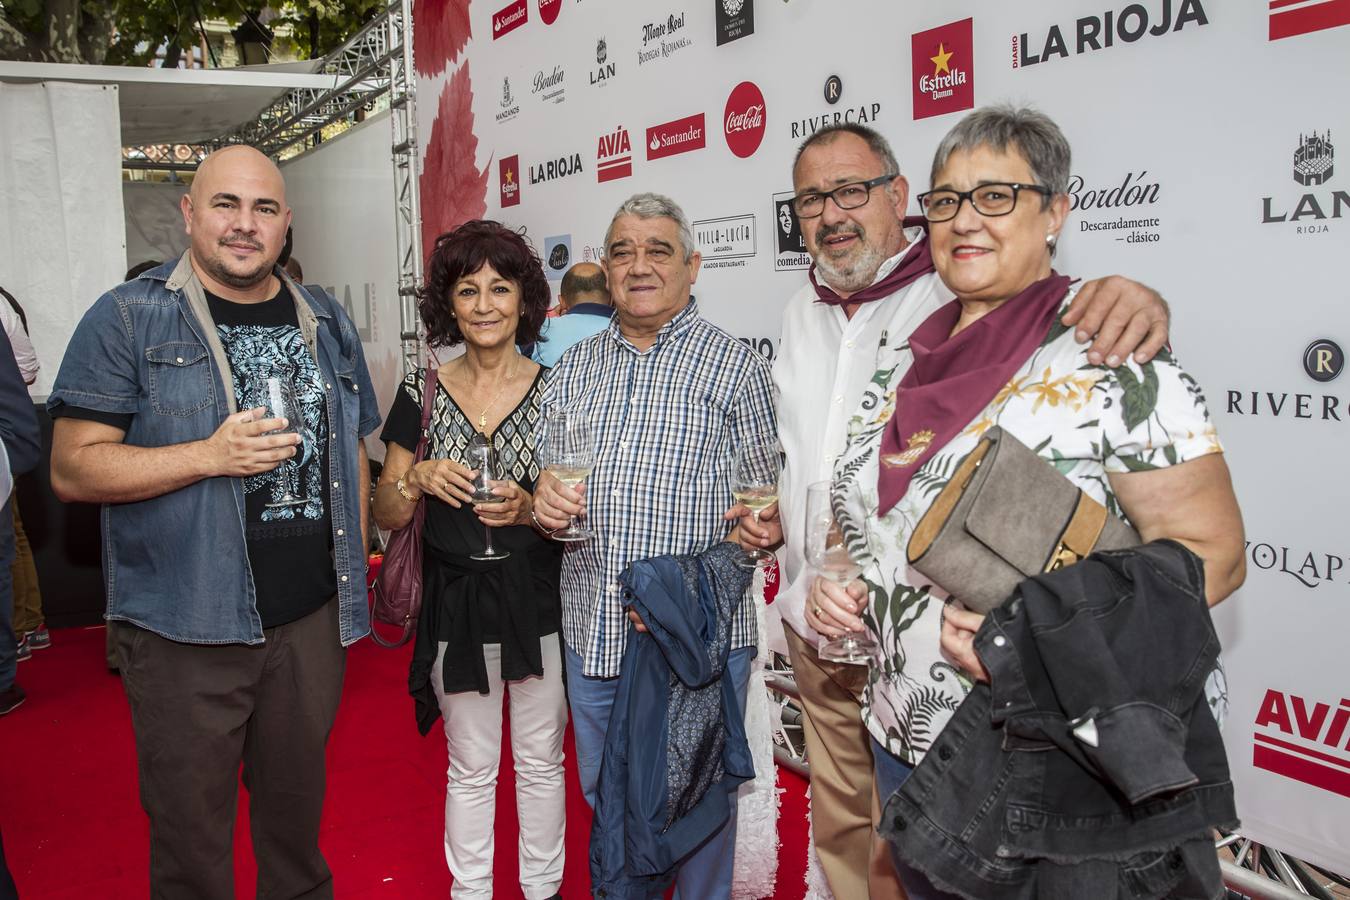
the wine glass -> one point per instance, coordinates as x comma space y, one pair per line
481, 456
828, 555
568, 453
754, 483
280, 403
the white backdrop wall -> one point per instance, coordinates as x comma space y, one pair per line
1195, 170
154, 221
342, 199
61, 231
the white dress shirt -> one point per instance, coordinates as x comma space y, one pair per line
824, 363
23, 346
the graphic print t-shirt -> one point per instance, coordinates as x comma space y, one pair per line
287, 524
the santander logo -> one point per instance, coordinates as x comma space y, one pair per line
744, 119
548, 10
679, 136
510, 17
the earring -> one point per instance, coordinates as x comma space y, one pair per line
1050, 241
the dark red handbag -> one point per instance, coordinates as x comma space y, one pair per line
398, 587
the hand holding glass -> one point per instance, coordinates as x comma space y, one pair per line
828, 555
754, 483
280, 403
482, 458
568, 454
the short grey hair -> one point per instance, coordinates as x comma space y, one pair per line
655, 206
1004, 127
875, 142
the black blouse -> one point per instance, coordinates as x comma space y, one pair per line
468, 603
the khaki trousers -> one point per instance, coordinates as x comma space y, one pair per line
844, 808
27, 595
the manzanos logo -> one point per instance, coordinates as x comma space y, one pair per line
510, 108
1313, 166
557, 255
1292, 17
509, 168
744, 119
509, 18
1304, 740
548, 11
943, 61
1103, 32
679, 136
613, 156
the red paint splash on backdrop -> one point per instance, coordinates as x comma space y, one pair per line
440, 31
453, 189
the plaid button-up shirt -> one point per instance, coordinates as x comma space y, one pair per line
667, 423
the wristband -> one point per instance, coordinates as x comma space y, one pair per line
402, 487
548, 532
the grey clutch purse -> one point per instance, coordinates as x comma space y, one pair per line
1005, 515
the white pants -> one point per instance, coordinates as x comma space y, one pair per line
473, 733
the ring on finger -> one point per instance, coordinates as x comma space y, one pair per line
817, 610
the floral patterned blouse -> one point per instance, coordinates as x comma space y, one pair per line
1088, 421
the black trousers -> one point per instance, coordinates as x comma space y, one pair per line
198, 712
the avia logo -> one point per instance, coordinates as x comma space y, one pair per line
1099, 32
1313, 166
679, 136
605, 70
561, 167
744, 119
548, 10
1303, 740
1289, 18
509, 169
614, 156
943, 69
509, 18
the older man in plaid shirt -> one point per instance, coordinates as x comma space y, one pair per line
670, 397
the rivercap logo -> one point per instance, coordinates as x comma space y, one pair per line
613, 156
735, 20
744, 119
557, 255
548, 10
943, 69
509, 168
1323, 360
679, 136
834, 89
1305, 18
1313, 159
509, 18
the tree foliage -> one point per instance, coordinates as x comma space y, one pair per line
130, 32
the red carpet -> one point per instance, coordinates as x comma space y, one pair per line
73, 825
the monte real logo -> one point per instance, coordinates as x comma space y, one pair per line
509, 168
1313, 166
735, 19
660, 40
548, 10
1121, 208
605, 68
943, 61
1305, 17
509, 18
725, 243
791, 246
554, 169
613, 156
744, 119
509, 107
679, 136
1102, 32
1304, 740
548, 85
557, 255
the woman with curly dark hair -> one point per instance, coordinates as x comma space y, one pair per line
487, 626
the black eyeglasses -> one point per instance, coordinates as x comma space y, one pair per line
995, 199
846, 196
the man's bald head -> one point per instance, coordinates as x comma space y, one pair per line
236, 216
583, 283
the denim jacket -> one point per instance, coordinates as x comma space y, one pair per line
1091, 764
177, 564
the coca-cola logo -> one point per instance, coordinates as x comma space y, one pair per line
548, 10
744, 119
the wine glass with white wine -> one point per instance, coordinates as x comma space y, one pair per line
568, 453
754, 483
828, 554
481, 457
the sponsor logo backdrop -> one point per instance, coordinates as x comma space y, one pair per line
1200, 167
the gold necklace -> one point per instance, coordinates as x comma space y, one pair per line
482, 416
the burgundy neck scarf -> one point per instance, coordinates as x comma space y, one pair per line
953, 377
916, 264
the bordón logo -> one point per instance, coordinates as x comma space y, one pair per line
548, 85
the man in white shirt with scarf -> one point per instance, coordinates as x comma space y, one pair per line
871, 283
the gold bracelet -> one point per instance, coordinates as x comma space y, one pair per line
403, 489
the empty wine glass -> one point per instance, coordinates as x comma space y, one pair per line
482, 457
828, 554
754, 483
280, 403
568, 454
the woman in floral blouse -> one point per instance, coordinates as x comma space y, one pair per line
1137, 438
